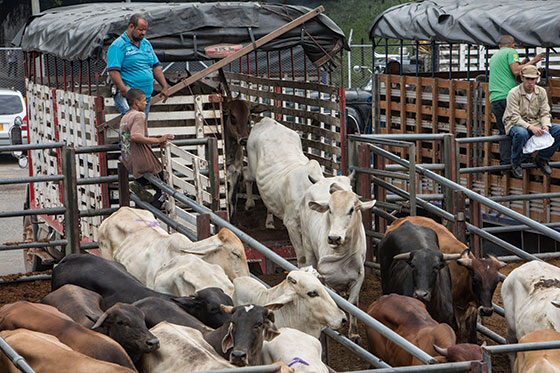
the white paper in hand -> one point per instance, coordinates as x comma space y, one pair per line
538, 143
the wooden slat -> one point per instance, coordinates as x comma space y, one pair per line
452, 107
293, 84
302, 100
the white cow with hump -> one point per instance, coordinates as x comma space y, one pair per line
299, 302
334, 239
277, 163
171, 262
531, 296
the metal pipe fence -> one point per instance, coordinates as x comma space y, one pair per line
14, 357
270, 255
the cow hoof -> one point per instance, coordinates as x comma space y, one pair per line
355, 338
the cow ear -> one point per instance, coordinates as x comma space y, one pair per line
335, 187
186, 302
366, 205
282, 300
498, 262
99, 321
465, 259
227, 342
270, 330
321, 207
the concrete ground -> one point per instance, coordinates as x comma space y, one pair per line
12, 198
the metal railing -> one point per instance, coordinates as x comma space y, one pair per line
277, 259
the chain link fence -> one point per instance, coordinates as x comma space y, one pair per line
12, 74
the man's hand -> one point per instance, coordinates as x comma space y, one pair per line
164, 93
536, 130
124, 91
538, 57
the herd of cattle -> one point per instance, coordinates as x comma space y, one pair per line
158, 302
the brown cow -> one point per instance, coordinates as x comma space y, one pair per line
542, 361
473, 280
409, 318
45, 353
47, 319
236, 128
123, 322
460, 352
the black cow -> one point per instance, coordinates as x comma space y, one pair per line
412, 265
111, 280
122, 322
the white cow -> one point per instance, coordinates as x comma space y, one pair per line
147, 240
531, 296
277, 163
181, 349
334, 239
298, 350
300, 302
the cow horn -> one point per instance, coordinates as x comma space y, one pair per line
99, 321
403, 256
499, 262
352, 175
226, 309
555, 303
440, 351
451, 256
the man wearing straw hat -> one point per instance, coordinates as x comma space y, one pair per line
527, 122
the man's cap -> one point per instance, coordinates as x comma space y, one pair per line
530, 71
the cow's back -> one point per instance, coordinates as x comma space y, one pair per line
543, 361
45, 353
76, 302
527, 293
126, 220
47, 319
105, 277
182, 349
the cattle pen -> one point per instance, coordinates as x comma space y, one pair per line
413, 164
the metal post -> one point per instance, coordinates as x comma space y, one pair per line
364, 190
460, 227
203, 226
450, 60
70, 195
214, 175
124, 193
14, 357
476, 220
386, 57
468, 62
412, 180
547, 65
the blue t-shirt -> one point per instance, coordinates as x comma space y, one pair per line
134, 63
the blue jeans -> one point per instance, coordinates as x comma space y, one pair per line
122, 105
498, 109
520, 135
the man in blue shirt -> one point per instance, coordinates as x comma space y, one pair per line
132, 63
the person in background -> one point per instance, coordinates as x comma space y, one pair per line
504, 67
527, 114
136, 153
12, 62
132, 63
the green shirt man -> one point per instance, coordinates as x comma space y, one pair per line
504, 67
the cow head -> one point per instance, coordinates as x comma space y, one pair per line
485, 278
126, 324
250, 326
205, 306
307, 295
236, 114
224, 249
426, 266
460, 352
344, 214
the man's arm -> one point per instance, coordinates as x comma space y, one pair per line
118, 82
512, 114
158, 75
544, 113
516, 66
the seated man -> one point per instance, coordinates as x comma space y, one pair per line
528, 114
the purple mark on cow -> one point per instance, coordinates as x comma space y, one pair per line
151, 223
297, 360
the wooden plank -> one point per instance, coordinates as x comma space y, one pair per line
388, 106
403, 104
174, 115
293, 84
452, 107
174, 100
302, 100
327, 119
435, 104
318, 131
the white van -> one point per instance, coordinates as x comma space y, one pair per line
13, 111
